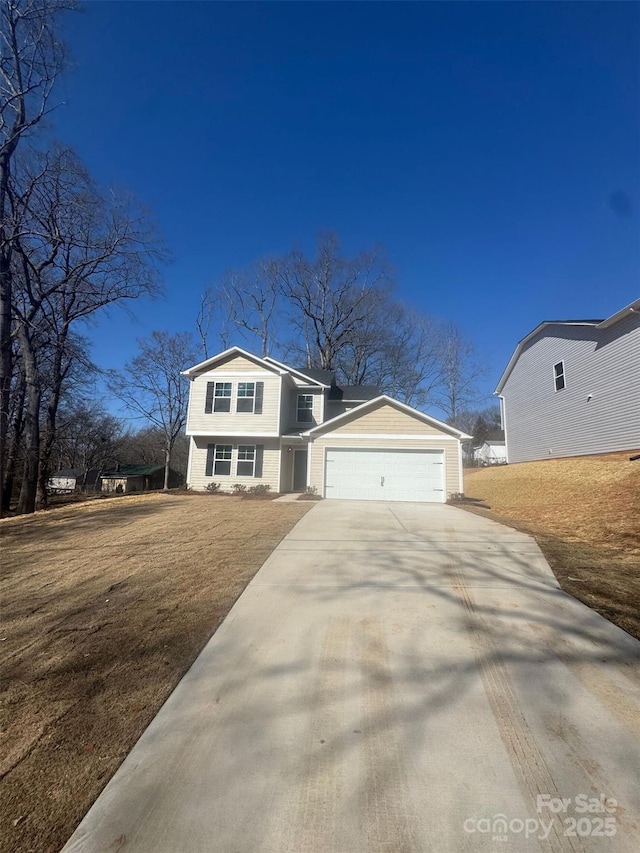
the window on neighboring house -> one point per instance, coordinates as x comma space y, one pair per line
304, 411
222, 459
246, 396
558, 376
246, 460
222, 397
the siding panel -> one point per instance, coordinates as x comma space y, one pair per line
385, 420
270, 463
229, 422
599, 409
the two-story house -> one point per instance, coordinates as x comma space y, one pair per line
572, 387
255, 420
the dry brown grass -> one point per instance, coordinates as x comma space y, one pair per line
104, 607
584, 512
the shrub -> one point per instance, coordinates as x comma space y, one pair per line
238, 488
213, 488
311, 490
260, 489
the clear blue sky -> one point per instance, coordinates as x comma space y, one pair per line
493, 148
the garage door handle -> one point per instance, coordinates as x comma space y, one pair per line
382, 481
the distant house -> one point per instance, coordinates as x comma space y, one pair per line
137, 478
64, 482
572, 387
491, 452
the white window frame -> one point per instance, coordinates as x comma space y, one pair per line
242, 387
223, 449
243, 449
217, 396
298, 409
561, 375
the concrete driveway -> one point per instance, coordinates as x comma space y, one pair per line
397, 677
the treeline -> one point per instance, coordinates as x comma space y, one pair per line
341, 313
67, 250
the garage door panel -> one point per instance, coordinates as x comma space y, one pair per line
392, 475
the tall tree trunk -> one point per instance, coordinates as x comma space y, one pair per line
13, 447
167, 463
58, 376
6, 348
29, 487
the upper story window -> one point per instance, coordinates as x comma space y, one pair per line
246, 396
249, 397
304, 409
222, 397
558, 376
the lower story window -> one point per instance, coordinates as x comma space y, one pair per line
222, 459
246, 460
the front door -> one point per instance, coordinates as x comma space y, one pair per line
300, 470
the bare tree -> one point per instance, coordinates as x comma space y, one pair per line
461, 369
152, 387
77, 252
246, 300
331, 297
31, 57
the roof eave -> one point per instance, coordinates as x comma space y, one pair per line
209, 362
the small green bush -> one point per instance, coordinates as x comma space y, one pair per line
213, 488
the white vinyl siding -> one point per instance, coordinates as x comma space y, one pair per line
198, 478
599, 409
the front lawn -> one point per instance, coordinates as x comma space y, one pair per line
104, 607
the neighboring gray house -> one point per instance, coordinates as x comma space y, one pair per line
572, 387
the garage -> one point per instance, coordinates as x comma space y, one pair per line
383, 450
384, 475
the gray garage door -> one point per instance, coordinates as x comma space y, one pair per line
385, 475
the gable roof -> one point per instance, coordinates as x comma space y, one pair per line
383, 399
354, 393
211, 362
633, 307
132, 471
313, 375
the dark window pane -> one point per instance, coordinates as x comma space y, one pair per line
245, 469
305, 416
222, 404
222, 467
245, 404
